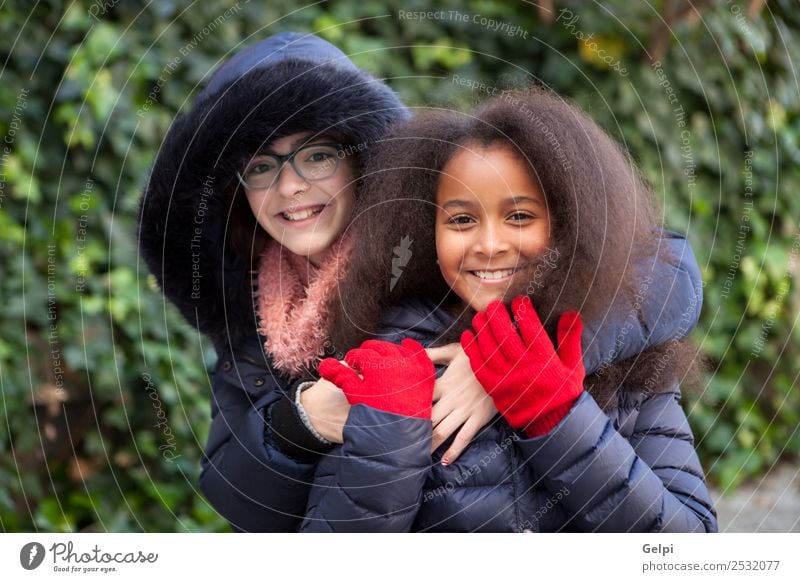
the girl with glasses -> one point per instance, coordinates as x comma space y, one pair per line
243, 223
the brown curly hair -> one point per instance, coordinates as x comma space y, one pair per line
602, 217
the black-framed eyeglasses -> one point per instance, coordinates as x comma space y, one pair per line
311, 162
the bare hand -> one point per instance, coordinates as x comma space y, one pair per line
327, 409
459, 399
443, 355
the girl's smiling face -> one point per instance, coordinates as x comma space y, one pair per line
304, 216
491, 223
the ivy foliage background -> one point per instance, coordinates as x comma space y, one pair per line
104, 389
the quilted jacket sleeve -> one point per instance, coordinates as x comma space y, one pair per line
373, 482
652, 482
245, 476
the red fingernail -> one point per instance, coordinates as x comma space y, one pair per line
445, 462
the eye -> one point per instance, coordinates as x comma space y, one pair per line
460, 219
261, 166
319, 157
521, 216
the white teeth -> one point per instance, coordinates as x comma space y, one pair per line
300, 215
494, 274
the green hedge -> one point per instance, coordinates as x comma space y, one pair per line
105, 395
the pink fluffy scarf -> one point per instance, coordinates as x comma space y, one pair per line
294, 303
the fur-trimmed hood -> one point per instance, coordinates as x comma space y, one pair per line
285, 84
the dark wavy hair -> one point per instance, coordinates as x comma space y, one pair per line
602, 217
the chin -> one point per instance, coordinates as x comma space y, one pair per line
482, 302
312, 248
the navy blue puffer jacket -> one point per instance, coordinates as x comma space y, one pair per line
633, 468
258, 487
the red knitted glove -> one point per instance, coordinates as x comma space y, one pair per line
531, 385
396, 379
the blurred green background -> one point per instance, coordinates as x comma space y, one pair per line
105, 393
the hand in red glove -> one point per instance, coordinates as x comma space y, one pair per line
531, 385
396, 379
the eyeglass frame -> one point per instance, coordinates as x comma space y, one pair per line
282, 159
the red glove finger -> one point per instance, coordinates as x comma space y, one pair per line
469, 343
530, 328
356, 358
337, 373
504, 332
570, 328
382, 348
395, 379
416, 355
491, 355
419, 353
412, 346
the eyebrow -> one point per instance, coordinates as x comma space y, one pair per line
295, 144
457, 202
516, 200
511, 201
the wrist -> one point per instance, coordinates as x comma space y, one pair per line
303, 413
290, 433
547, 421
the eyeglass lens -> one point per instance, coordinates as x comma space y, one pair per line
312, 162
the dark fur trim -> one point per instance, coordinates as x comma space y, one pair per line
182, 216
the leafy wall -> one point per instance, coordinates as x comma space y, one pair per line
105, 394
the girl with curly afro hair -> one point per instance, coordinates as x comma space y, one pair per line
504, 230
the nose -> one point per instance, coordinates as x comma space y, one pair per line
490, 241
289, 184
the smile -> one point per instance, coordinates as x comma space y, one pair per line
302, 214
495, 275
